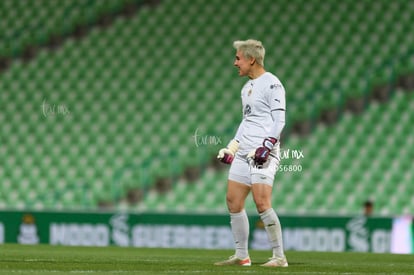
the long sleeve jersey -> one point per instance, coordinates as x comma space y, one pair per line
264, 107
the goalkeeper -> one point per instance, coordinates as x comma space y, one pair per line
254, 153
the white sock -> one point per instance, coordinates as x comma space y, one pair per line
240, 229
274, 231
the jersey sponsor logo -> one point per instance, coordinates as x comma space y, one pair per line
275, 86
247, 110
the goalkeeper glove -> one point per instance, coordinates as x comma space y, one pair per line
262, 153
226, 155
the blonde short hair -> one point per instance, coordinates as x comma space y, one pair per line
251, 49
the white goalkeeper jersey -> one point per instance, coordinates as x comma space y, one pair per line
264, 106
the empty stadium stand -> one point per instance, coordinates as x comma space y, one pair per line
362, 157
146, 100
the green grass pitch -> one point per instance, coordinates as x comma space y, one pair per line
44, 259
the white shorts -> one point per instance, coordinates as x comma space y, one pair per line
244, 172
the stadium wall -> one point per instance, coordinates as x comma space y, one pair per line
208, 231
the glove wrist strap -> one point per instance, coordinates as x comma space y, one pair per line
233, 146
269, 143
